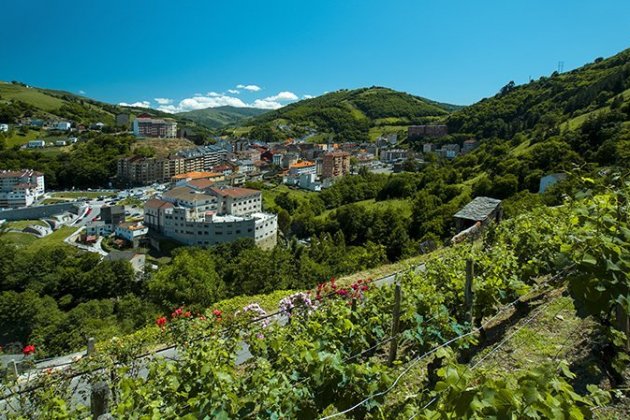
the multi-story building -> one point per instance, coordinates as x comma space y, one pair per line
211, 215
303, 167
469, 145
392, 155
146, 126
20, 188
202, 158
336, 164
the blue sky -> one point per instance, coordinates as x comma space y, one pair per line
193, 54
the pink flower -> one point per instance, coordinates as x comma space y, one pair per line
28, 350
342, 292
217, 313
176, 313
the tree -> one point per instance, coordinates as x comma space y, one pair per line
190, 280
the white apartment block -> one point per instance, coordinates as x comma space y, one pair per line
146, 126
211, 216
20, 188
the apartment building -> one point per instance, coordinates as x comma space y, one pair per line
20, 188
212, 215
336, 164
146, 126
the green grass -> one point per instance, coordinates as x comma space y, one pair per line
22, 240
73, 195
270, 195
30, 96
32, 243
21, 224
380, 130
18, 139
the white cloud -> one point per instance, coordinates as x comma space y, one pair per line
251, 88
139, 104
307, 96
214, 99
163, 101
234, 91
283, 96
266, 104
201, 102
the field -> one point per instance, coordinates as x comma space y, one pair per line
21, 224
73, 195
18, 139
31, 243
30, 96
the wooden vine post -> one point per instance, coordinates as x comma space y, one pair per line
623, 323
393, 349
99, 400
468, 293
91, 346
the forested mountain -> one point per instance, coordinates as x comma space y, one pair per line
349, 115
221, 116
559, 102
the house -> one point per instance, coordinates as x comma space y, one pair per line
428, 148
34, 144
482, 209
392, 155
336, 164
549, 180
302, 167
4, 128
62, 126
97, 126
469, 145
432, 130
131, 232
450, 151
20, 188
136, 260
60, 143
245, 166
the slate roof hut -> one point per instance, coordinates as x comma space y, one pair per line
481, 209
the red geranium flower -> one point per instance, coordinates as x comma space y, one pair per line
176, 313
217, 313
187, 314
161, 321
30, 349
342, 292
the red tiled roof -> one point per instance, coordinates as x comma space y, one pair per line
234, 191
154, 203
202, 184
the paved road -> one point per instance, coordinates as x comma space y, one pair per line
81, 385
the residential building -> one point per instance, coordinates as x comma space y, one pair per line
4, 128
336, 164
437, 131
306, 181
289, 159
303, 167
186, 177
277, 159
36, 144
245, 166
131, 232
20, 188
113, 215
142, 170
62, 126
428, 148
99, 228
210, 216
60, 143
202, 158
136, 260
392, 155
146, 126
450, 151
469, 145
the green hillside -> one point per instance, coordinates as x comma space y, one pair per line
18, 100
221, 116
349, 115
549, 103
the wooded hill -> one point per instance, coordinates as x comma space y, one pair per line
349, 115
221, 116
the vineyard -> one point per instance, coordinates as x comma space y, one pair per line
426, 347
